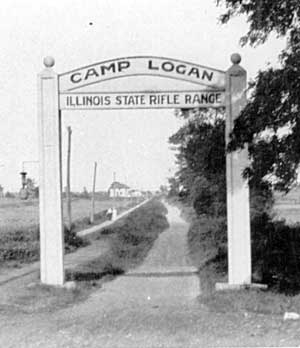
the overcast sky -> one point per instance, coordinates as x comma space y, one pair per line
78, 33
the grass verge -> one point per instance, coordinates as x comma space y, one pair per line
265, 302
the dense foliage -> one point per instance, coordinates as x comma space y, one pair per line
276, 254
200, 146
270, 123
201, 183
264, 17
201, 158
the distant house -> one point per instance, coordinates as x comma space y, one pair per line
135, 193
118, 189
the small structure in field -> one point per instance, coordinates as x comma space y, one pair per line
135, 193
118, 189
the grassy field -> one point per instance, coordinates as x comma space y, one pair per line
287, 206
15, 213
19, 227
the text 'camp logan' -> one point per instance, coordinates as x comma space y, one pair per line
142, 66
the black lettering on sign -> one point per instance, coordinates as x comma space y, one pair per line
125, 64
75, 78
153, 99
151, 67
142, 99
194, 72
91, 72
118, 100
207, 75
167, 66
202, 98
187, 99
107, 100
104, 68
69, 101
129, 100
89, 100
78, 101
211, 98
181, 69
176, 99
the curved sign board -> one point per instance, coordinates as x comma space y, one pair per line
142, 66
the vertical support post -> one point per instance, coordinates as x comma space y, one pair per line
238, 201
68, 189
51, 223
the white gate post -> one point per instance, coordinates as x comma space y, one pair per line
51, 224
238, 201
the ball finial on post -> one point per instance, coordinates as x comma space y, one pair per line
49, 62
236, 58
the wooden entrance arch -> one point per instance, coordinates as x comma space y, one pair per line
199, 86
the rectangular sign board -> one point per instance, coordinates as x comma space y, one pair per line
141, 100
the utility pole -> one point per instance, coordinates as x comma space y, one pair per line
68, 189
93, 195
114, 180
1, 187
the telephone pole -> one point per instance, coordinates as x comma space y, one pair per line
93, 195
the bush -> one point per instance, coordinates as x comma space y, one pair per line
276, 254
20, 245
207, 239
9, 195
20, 251
72, 241
275, 249
209, 196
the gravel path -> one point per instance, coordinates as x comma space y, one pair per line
170, 251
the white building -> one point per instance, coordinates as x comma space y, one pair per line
135, 193
118, 189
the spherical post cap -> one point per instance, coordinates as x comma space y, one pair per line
236, 58
49, 62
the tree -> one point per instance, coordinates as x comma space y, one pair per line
201, 158
163, 189
200, 147
264, 17
32, 189
270, 123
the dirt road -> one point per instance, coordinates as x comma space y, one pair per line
154, 305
